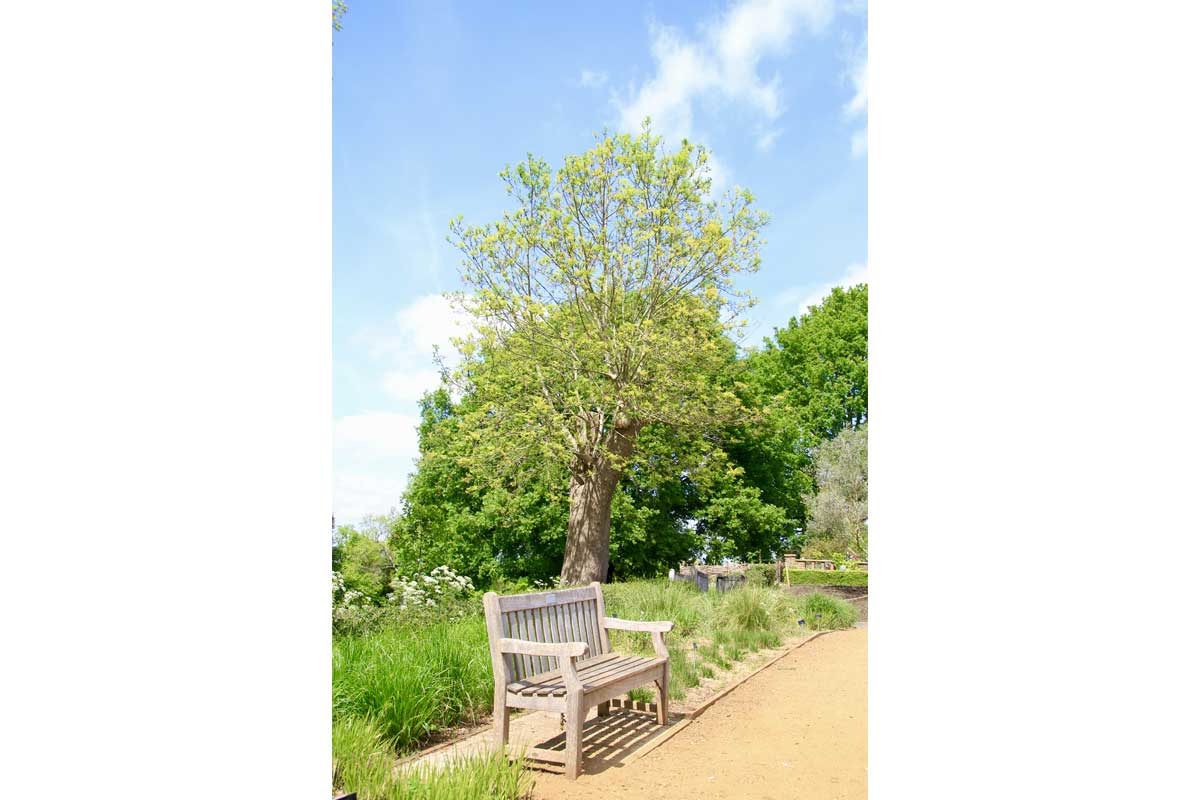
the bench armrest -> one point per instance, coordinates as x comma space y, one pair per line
560, 650
632, 625
657, 629
565, 652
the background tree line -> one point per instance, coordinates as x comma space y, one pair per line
788, 474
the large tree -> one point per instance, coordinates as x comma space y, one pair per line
518, 528
599, 307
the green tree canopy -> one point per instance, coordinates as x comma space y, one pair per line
838, 520
599, 306
818, 364
363, 558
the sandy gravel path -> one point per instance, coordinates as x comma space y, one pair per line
798, 729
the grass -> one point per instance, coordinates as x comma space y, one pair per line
678, 601
824, 613
397, 687
363, 763
822, 577
712, 631
413, 681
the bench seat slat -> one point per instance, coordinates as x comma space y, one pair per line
594, 673
597, 674
555, 675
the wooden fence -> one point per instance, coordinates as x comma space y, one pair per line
791, 562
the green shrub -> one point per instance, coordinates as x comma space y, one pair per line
760, 575
823, 577
824, 613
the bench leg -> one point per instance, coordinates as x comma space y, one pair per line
662, 685
575, 711
500, 719
602, 709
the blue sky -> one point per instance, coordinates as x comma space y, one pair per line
432, 99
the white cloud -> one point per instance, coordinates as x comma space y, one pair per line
721, 64
405, 346
592, 80
373, 455
375, 452
856, 108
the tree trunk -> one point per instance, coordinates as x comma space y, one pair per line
589, 525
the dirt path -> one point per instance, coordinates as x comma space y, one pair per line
796, 730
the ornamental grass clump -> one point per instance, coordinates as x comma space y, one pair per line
824, 613
679, 601
414, 680
751, 608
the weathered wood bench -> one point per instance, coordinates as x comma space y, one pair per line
550, 652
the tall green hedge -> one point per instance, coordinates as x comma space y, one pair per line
824, 577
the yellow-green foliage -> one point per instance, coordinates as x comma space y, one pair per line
619, 251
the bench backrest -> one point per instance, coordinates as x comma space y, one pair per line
563, 615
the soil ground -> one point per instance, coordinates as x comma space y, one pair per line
798, 729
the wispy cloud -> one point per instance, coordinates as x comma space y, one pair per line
414, 230
592, 80
856, 108
802, 297
767, 140
406, 343
721, 63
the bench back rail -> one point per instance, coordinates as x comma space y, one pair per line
558, 617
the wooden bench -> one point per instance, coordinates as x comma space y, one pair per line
550, 652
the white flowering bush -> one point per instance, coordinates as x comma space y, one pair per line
430, 591
554, 583
353, 611
442, 594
